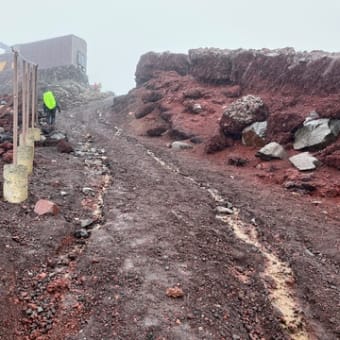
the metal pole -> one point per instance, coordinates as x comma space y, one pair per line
15, 106
23, 125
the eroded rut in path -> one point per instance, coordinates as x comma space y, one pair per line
276, 272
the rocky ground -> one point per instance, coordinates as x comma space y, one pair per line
136, 219
145, 235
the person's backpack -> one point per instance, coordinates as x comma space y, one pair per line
49, 100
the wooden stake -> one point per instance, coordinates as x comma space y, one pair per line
15, 106
23, 124
34, 86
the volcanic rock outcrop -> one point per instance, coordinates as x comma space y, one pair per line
213, 96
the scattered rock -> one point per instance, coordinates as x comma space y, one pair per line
82, 233
4, 136
304, 161
271, 151
175, 292
166, 115
316, 134
254, 135
180, 145
64, 147
56, 135
144, 110
237, 161
180, 133
157, 131
152, 96
192, 107
194, 93
196, 140
88, 191
86, 223
45, 207
197, 108
224, 210
299, 186
241, 113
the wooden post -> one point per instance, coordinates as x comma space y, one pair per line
34, 86
15, 107
23, 123
28, 94
36, 93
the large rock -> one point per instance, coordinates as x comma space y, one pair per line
254, 134
241, 113
152, 62
316, 134
271, 151
304, 161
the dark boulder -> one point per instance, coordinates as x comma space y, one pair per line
144, 110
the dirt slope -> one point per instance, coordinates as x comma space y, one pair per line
270, 270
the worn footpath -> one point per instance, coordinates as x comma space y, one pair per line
136, 218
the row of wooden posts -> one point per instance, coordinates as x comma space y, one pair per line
15, 188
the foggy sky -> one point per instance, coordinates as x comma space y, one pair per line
119, 32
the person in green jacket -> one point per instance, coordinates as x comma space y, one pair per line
50, 106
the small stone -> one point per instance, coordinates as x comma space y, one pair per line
181, 146
175, 292
44, 207
82, 233
87, 191
86, 223
224, 210
28, 312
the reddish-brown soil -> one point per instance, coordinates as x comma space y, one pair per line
155, 228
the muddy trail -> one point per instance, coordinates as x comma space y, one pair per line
154, 244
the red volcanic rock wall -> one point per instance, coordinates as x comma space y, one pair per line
152, 62
283, 70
